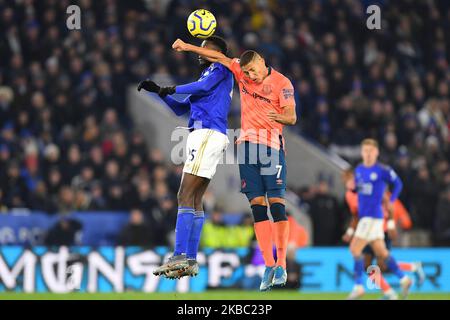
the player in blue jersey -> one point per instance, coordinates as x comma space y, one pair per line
371, 179
208, 101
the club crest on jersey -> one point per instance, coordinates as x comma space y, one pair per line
243, 183
288, 93
267, 89
373, 176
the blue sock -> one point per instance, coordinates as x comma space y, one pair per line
183, 228
393, 266
358, 270
194, 237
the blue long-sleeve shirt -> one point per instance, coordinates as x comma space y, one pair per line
208, 101
370, 185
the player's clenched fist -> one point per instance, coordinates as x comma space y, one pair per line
151, 86
179, 45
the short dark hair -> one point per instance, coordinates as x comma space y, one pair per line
247, 57
219, 42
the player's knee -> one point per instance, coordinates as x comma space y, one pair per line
383, 255
260, 200
278, 211
273, 200
259, 212
198, 201
185, 198
355, 250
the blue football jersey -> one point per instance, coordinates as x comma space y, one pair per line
371, 184
210, 105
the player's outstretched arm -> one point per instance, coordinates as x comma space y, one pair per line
210, 55
178, 107
203, 86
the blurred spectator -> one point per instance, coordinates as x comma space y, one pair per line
424, 195
66, 200
213, 229
97, 201
40, 200
136, 232
3, 207
324, 212
442, 224
216, 234
143, 197
63, 233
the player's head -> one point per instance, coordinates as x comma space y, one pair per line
214, 43
369, 151
253, 65
347, 175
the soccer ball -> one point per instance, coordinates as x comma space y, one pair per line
201, 23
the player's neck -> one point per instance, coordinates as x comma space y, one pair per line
369, 164
267, 73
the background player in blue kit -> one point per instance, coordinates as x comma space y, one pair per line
371, 178
209, 102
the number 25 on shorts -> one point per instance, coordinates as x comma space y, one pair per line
192, 154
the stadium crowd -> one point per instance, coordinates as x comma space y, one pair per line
67, 143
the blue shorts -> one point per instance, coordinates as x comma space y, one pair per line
262, 170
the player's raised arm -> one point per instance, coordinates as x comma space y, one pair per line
208, 54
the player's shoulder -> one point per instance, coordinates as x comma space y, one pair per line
235, 63
279, 77
359, 166
218, 67
282, 83
383, 166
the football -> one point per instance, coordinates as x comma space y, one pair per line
201, 23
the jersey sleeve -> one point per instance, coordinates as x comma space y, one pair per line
287, 94
202, 86
391, 177
178, 107
235, 67
401, 215
352, 202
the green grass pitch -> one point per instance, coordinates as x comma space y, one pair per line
209, 295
